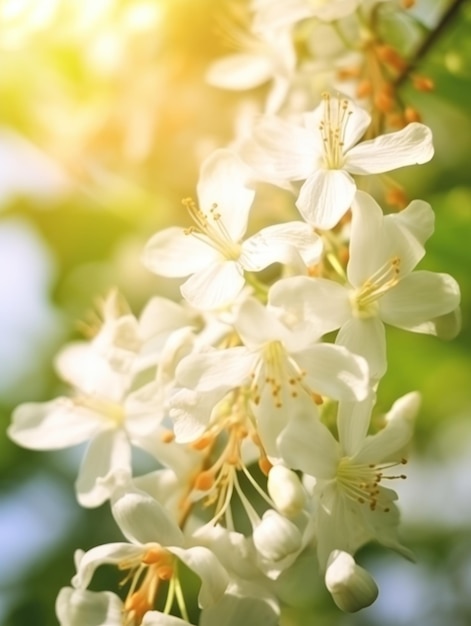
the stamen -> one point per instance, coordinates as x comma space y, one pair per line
333, 128
210, 228
361, 482
364, 299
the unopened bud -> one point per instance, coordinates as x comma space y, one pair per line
423, 83
286, 490
276, 537
351, 586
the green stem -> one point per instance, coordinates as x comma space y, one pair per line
446, 19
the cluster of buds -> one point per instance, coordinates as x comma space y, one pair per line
255, 392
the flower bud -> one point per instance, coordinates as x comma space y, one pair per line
276, 537
351, 586
286, 490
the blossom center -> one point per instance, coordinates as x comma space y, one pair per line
360, 482
279, 372
364, 299
112, 411
226, 436
210, 228
146, 572
332, 128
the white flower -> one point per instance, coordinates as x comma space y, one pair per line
156, 546
284, 369
323, 152
77, 607
353, 506
351, 586
270, 56
103, 410
381, 287
212, 251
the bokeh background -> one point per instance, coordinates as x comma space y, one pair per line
104, 117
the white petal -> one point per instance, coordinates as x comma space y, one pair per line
110, 553
418, 298
367, 338
216, 369
353, 421
417, 218
223, 181
409, 146
276, 243
144, 520
161, 315
53, 425
240, 71
366, 239
280, 150
276, 537
191, 412
76, 607
389, 443
257, 325
335, 372
234, 610
307, 445
107, 463
216, 286
80, 365
325, 197
351, 586
170, 252
156, 618
323, 303
214, 578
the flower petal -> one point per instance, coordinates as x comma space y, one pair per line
276, 244
171, 252
325, 197
240, 71
321, 302
216, 369
215, 286
367, 338
214, 578
353, 421
367, 234
389, 443
335, 372
280, 150
53, 425
106, 464
418, 298
76, 607
223, 182
409, 146
144, 520
108, 553
307, 445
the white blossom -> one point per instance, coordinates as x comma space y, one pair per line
323, 151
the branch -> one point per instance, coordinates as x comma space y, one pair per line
446, 19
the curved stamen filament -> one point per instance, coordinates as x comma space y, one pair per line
210, 228
364, 299
361, 482
333, 128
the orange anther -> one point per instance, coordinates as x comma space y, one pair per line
423, 83
412, 115
265, 465
204, 481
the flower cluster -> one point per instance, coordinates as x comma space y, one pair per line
255, 393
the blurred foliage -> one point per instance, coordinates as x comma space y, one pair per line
113, 92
